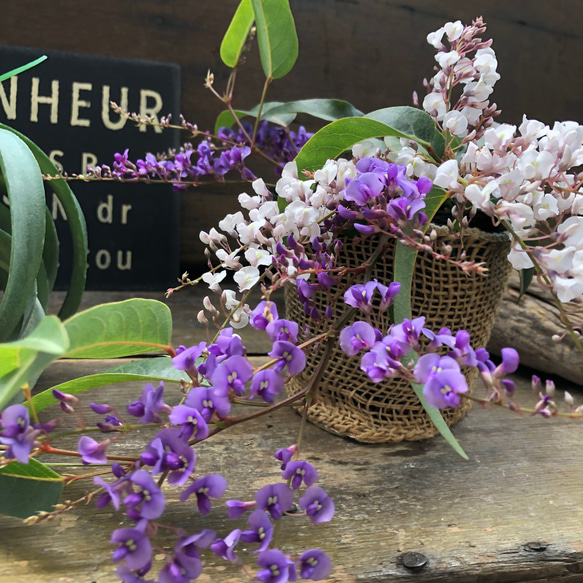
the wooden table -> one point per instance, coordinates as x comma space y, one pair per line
513, 512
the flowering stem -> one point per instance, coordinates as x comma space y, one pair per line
546, 279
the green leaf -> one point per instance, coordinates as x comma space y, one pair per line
276, 37
226, 119
23, 360
416, 123
237, 33
326, 109
19, 70
28, 488
339, 136
404, 265
148, 369
75, 221
119, 329
526, 276
25, 188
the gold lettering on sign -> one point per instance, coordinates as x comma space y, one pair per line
53, 100
9, 106
106, 108
103, 259
127, 265
125, 209
53, 156
88, 159
77, 103
150, 110
105, 213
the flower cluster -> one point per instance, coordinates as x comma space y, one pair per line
212, 158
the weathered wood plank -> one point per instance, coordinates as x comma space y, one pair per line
472, 520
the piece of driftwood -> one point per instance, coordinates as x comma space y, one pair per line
529, 325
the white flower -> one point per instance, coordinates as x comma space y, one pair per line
213, 279
497, 138
531, 129
434, 38
537, 165
328, 173
251, 233
228, 260
545, 206
486, 64
572, 230
229, 299
257, 256
434, 105
240, 317
230, 222
249, 202
456, 123
519, 258
453, 30
259, 188
446, 60
447, 175
479, 197
247, 277
366, 148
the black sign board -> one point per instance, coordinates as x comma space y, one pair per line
63, 105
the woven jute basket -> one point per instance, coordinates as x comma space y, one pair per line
347, 402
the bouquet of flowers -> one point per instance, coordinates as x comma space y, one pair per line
380, 178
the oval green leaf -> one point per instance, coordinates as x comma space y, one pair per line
237, 33
119, 329
151, 370
276, 37
339, 136
28, 488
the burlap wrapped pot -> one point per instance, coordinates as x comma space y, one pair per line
348, 403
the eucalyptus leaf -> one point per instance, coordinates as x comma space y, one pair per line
276, 37
75, 221
339, 136
117, 329
237, 33
403, 269
28, 488
25, 189
151, 370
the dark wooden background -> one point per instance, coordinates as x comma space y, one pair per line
372, 53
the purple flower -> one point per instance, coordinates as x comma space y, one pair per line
225, 548
267, 384
388, 294
442, 378
288, 355
277, 568
285, 455
17, 433
100, 409
169, 452
237, 508
147, 495
134, 547
232, 373
207, 400
275, 498
261, 530
189, 545
185, 358
404, 209
181, 569
382, 361
127, 575
314, 564
360, 296
509, 364
282, 330
298, 472
191, 422
265, 312
364, 188
317, 504
227, 344
149, 404
112, 492
409, 332
211, 486
357, 337
92, 452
